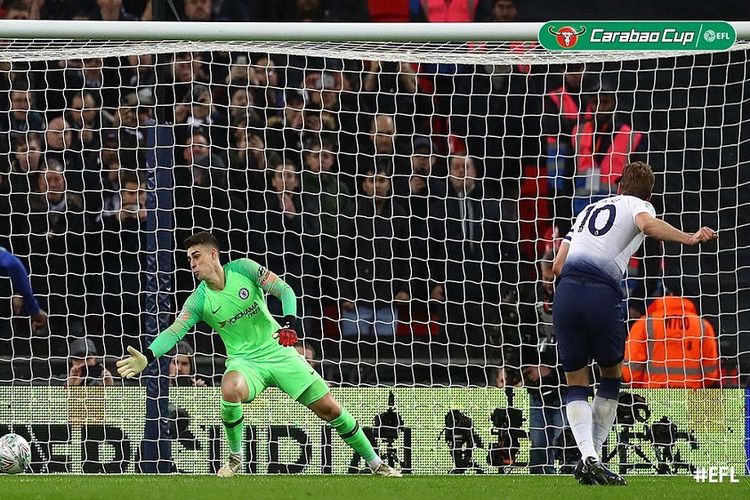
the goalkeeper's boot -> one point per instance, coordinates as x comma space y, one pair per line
581, 475
230, 468
601, 474
385, 470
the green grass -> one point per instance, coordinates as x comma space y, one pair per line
144, 487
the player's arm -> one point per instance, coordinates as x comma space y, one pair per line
273, 285
191, 314
562, 254
269, 282
651, 226
13, 267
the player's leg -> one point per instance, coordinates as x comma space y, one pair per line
328, 409
578, 410
589, 469
234, 391
573, 303
293, 375
608, 351
604, 406
569, 319
240, 384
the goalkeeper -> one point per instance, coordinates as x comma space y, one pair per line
231, 299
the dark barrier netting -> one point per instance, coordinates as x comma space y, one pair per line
409, 206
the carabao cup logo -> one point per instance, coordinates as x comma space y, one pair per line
567, 36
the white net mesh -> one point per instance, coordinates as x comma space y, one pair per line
408, 193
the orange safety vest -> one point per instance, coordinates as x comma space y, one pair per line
565, 103
615, 158
453, 11
671, 347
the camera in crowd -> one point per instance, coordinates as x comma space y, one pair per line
632, 408
386, 427
85, 367
92, 373
506, 425
462, 440
179, 427
663, 436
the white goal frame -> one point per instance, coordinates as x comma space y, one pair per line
314, 32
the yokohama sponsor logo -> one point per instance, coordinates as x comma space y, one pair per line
250, 311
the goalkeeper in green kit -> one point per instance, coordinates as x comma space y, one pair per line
231, 300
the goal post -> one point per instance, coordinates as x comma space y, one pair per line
292, 32
410, 181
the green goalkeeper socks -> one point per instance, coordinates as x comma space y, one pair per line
231, 416
354, 436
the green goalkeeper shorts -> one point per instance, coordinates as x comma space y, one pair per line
286, 369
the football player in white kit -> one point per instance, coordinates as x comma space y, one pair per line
587, 309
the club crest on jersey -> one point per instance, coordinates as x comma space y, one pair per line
244, 293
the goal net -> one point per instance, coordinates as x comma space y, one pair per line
413, 195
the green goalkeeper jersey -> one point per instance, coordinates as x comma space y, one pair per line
238, 313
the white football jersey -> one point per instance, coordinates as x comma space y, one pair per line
605, 237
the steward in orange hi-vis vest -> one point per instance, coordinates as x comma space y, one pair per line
671, 347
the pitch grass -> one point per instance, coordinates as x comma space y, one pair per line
145, 487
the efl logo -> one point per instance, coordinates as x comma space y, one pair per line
567, 36
714, 474
711, 36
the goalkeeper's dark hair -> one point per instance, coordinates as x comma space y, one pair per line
637, 180
202, 238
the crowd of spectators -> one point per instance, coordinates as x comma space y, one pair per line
259, 11
386, 194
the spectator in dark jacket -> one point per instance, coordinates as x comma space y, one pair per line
469, 242
285, 234
61, 235
375, 259
542, 372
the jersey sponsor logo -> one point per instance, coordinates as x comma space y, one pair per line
249, 311
244, 294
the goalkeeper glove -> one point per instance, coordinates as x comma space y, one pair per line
133, 364
287, 334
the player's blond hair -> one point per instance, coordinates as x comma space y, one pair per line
637, 180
